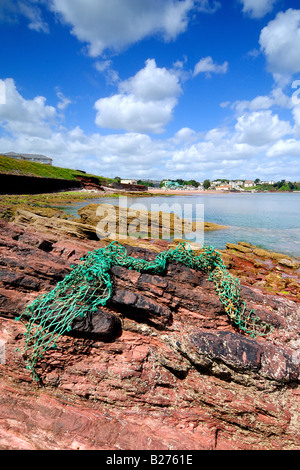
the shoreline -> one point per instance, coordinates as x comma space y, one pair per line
51, 205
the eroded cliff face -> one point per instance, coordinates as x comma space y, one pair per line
159, 367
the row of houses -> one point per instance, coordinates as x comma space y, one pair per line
237, 185
217, 185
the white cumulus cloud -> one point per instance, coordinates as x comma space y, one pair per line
31, 117
280, 42
115, 24
152, 83
257, 8
145, 102
258, 143
285, 148
32, 126
276, 98
261, 127
208, 66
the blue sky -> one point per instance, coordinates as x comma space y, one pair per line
154, 88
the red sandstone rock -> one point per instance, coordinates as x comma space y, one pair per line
175, 373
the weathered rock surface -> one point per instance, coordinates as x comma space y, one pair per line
113, 220
271, 272
159, 367
55, 225
109, 222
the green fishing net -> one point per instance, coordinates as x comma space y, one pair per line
88, 286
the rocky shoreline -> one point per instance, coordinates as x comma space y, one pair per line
160, 367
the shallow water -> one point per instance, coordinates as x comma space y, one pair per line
269, 220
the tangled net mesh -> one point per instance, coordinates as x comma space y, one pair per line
89, 286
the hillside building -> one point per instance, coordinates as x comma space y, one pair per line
29, 157
127, 181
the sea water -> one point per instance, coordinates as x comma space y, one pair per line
268, 220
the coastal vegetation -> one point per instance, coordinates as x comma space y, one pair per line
182, 182
206, 184
278, 186
21, 167
145, 183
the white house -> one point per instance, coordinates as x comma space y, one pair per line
128, 181
248, 184
234, 185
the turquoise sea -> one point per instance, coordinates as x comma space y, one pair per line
268, 220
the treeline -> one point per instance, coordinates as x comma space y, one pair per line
182, 182
145, 183
279, 186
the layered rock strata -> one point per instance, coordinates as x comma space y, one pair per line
159, 367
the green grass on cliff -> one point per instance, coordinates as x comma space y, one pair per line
22, 167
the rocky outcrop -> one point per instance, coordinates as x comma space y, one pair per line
55, 225
109, 222
90, 183
272, 272
159, 367
114, 220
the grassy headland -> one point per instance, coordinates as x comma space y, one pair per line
42, 202
21, 167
